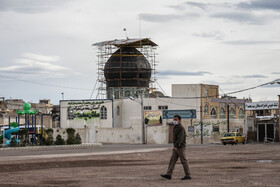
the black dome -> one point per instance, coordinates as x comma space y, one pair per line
127, 67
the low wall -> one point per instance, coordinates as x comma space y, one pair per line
84, 133
131, 135
157, 134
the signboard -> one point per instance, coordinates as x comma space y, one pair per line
84, 109
190, 128
153, 117
266, 105
185, 114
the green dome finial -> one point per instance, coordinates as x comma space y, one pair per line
27, 107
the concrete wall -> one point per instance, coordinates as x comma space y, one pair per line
186, 90
84, 133
157, 134
131, 134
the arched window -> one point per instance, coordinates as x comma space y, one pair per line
222, 113
241, 113
206, 92
127, 93
138, 94
213, 113
117, 95
103, 112
231, 113
206, 109
118, 110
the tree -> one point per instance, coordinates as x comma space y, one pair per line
70, 136
49, 140
14, 142
59, 140
78, 139
23, 137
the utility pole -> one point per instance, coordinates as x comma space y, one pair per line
201, 125
142, 116
228, 118
142, 119
279, 116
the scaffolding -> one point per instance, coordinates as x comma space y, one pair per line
107, 48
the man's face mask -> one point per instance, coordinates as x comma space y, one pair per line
175, 122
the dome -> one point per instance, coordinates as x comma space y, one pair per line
127, 67
156, 94
26, 106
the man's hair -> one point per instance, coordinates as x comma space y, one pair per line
177, 116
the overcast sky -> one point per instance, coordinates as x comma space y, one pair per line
234, 44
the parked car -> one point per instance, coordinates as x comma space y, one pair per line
233, 138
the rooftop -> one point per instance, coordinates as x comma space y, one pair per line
135, 42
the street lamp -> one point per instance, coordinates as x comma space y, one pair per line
142, 115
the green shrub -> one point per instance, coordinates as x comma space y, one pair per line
70, 136
59, 140
39, 140
23, 137
49, 131
49, 140
13, 142
78, 139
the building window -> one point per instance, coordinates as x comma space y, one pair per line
213, 113
206, 92
216, 128
162, 107
138, 94
117, 94
118, 110
222, 113
103, 112
241, 113
147, 107
206, 109
127, 93
231, 113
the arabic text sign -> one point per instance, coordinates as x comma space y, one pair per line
153, 117
266, 105
185, 114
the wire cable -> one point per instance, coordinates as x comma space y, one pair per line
93, 89
160, 87
44, 84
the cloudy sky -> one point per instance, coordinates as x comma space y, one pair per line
45, 45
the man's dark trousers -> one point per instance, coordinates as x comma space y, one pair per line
179, 153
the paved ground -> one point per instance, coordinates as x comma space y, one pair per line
141, 165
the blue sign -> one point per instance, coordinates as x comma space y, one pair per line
185, 114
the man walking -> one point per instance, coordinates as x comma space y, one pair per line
179, 142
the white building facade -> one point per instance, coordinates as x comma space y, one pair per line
121, 120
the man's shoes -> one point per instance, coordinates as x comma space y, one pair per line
166, 176
186, 177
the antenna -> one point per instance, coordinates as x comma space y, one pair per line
124, 29
140, 27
